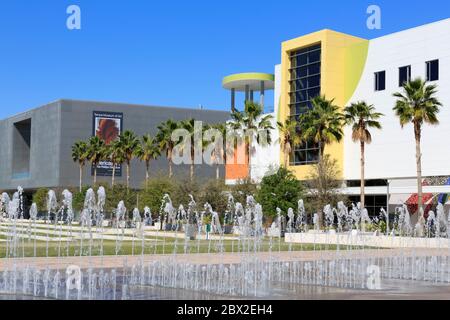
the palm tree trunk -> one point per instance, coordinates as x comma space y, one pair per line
363, 181
95, 175
192, 172
418, 135
81, 177
147, 173
128, 175
286, 157
321, 150
218, 172
113, 179
169, 156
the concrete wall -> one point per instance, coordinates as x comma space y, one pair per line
44, 151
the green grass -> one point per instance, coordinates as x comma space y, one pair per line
169, 246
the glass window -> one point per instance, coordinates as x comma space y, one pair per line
305, 85
433, 70
314, 81
312, 93
380, 81
314, 56
313, 69
404, 75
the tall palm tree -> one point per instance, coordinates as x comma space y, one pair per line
255, 126
80, 154
166, 144
289, 137
96, 153
362, 117
418, 104
114, 153
147, 151
323, 124
129, 142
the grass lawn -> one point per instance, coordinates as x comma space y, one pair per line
161, 246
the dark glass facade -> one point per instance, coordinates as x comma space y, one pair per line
304, 84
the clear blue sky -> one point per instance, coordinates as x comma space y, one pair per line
171, 53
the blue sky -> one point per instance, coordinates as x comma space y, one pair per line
171, 53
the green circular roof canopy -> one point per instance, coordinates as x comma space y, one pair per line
250, 81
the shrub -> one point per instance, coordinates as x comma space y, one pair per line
120, 193
153, 193
243, 189
78, 199
280, 190
182, 189
215, 193
40, 198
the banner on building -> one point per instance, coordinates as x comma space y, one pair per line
108, 127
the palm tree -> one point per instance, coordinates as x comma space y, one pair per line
129, 142
147, 151
96, 153
80, 155
255, 126
417, 104
114, 153
289, 137
322, 124
362, 117
164, 138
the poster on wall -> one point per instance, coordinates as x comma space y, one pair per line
107, 126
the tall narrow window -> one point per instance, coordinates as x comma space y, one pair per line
305, 84
433, 70
380, 81
404, 75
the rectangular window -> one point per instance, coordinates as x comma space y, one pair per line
305, 154
305, 78
404, 75
380, 81
433, 70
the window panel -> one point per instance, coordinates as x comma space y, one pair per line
314, 69
314, 56
433, 70
380, 81
312, 93
404, 75
314, 81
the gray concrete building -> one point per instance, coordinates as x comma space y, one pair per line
36, 145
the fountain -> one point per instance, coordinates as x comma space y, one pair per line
245, 264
